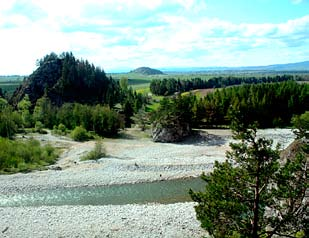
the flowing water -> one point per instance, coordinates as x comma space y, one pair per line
170, 191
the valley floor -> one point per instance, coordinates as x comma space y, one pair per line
133, 158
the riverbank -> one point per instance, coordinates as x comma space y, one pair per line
152, 220
131, 159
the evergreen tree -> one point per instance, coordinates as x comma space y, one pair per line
253, 193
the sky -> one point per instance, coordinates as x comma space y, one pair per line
120, 35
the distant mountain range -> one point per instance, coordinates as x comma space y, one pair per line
299, 66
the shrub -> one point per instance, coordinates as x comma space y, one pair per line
39, 127
9, 122
18, 156
80, 134
60, 129
97, 153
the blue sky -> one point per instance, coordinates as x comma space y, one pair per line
119, 35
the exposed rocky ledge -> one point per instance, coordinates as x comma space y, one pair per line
170, 133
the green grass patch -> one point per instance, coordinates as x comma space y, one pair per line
143, 90
9, 87
24, 156
152, 107
141, 87
11, 78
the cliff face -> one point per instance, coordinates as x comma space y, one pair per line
65, 79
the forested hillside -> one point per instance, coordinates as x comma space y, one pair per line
268, 104
64, 78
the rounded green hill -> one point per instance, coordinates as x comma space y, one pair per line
146, 71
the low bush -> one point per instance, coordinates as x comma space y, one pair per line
19, 156
39, 127
97, 153
60, 129
80, 134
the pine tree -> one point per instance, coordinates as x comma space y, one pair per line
253, 193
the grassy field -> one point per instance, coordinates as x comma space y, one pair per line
9, 87
11, 78
141, 82
9, 83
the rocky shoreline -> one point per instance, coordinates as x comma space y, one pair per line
151, 220
130, 160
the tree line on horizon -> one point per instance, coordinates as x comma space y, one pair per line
165, 87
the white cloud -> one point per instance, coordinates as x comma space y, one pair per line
168, 38
297, 1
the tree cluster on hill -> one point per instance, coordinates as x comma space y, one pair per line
63, 79
66, 79
269, 104
169, 86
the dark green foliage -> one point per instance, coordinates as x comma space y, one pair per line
60, 129
45, 112
253, 194
17, 156
100, 119
10, 120
171, 85
65, 79
130, 101
301, 123
271, 105
174, 109
39, 127
62, 80
128, 113
141, 119
24, 107
105, 121
97, 153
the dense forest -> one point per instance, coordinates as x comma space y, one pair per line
66, 79
169, 86
269, 104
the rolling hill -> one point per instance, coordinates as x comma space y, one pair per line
146, 71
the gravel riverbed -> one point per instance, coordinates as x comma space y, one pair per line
130, 160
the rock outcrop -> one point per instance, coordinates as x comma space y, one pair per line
170, 133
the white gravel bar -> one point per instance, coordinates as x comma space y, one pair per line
152, 220
130, 160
